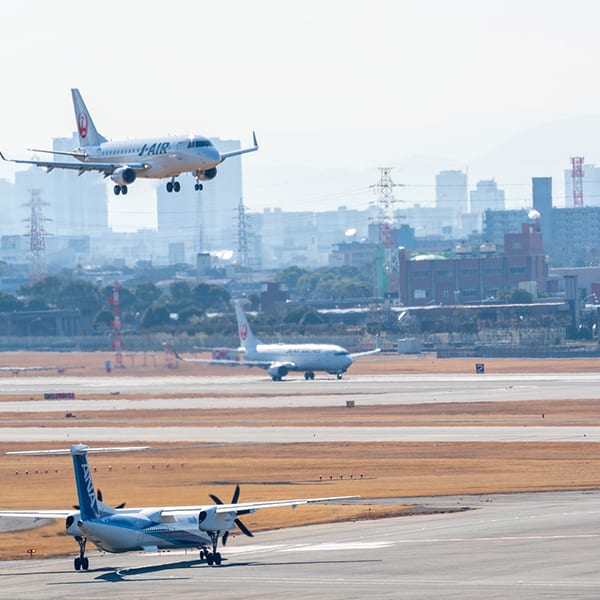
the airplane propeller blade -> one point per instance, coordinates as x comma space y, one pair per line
238, 522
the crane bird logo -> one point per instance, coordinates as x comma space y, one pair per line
243, 331
83, 125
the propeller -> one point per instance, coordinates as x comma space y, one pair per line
99, 496
238, 522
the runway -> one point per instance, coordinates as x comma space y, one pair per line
526, 546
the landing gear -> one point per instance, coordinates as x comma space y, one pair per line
173, 186
339, 375
81, 562
120, 189
214, 557
198, 187
309, 375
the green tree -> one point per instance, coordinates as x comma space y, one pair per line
156, 315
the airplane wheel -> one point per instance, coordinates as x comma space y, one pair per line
176, 186
202, 555
218, 559
117, 190
339, 375
198, 187
306, 376
77, 564
210, 559
85, 563
170, 187
123, 189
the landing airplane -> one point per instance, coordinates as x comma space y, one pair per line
149, 529
152, 158
280, 359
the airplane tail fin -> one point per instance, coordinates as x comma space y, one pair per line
88, 502
247, 339
88, 134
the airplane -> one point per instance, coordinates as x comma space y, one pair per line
121, 529
125, 161
281, 359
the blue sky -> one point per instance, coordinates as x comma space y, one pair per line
350, 85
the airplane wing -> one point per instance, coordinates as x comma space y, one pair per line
235, 363
366, 353
36, 515
250, 507
225, 155
106, 168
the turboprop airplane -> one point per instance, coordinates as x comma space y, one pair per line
152, 528
280, 359
125, 161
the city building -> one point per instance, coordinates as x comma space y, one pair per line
486, 196
475, 276
451, 199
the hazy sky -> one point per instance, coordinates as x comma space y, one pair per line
347, 84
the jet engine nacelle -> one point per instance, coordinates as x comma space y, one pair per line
210, 520
278, 371
71, 525
123, 176
208, 174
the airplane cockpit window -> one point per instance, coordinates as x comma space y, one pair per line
199, 143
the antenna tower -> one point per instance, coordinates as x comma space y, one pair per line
577, 177
117, 344
385, 219
37, 238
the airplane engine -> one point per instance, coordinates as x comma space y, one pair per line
278, 371
123, 176
209, 520
71, 525
208, 174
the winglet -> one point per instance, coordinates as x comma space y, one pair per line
3, 157
254, 140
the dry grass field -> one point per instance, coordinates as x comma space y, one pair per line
186, 474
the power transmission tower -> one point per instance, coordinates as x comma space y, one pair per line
243, 256
37, 238
388, 264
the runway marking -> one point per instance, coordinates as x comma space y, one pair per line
335, 546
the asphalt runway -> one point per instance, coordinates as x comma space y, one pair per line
225, 392
526, 546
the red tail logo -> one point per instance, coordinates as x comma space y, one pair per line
82, 123
243, 331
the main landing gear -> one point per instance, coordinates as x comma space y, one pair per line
173, 186
214, 557
309, 375
81, 562
338, 375
120, 189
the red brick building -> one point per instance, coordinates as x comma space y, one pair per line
472, 277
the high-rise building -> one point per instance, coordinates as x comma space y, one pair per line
541, 188
451, 198
205, 220
486, 196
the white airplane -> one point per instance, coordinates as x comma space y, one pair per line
280, 359
59, 369
152, 158
149, 529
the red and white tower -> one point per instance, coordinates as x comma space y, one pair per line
577, 178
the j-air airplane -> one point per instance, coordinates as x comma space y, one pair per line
125, 161
281, 359
148, 529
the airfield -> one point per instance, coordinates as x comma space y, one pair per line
472, 485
